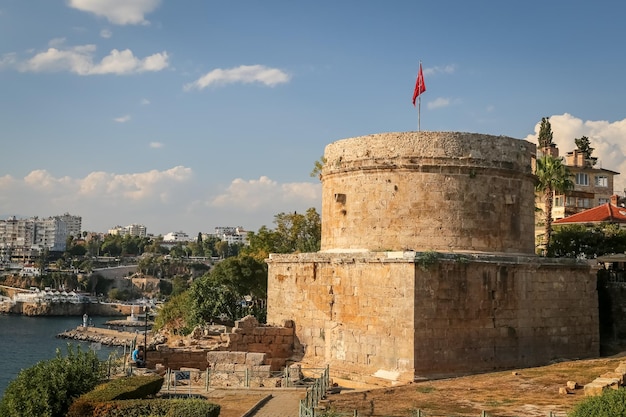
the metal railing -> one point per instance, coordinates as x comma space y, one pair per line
203, 381
314, 394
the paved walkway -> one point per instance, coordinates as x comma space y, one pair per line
282, 404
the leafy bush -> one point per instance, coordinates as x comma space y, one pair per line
134, 387
48, 388
610, 403
118, 389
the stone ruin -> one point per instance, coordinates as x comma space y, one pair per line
249, 345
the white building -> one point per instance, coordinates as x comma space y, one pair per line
131, 230
232, 234
177, 237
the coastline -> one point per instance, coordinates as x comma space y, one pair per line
65, 309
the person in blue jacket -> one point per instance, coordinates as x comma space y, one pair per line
138, 357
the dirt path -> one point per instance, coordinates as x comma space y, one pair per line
531, 392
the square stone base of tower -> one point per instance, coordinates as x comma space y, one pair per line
392, 317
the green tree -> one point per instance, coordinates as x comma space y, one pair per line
579, 241
209, 245
180, 284
48, 388
245, 275
545, 133
93, 245
223, 290
294, 232
156, 246
176, 314
42, 260
221, 248
584, 145
119, 294
318, 166
111, 246
262, 243
552, 177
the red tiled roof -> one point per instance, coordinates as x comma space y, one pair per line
604, 213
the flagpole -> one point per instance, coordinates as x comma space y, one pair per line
419, 113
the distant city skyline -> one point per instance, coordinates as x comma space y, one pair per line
192, 234
183, 116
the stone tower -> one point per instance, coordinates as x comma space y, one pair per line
428, 191
427, 265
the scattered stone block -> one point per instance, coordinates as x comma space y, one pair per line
572, 385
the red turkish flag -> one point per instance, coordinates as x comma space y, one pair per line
420, 87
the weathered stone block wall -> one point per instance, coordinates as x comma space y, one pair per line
248, 344
381, 315
352, 312
177, 358
428, 191
276, 342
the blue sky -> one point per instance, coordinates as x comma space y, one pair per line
186, 115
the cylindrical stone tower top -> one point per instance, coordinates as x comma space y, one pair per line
441, 191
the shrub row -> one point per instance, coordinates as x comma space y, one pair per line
154, 408
134, 387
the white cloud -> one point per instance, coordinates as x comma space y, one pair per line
119, 12
164, 201
607, 139
56, 42
80, 60
106, 33
122, 119
156, 145
145, 101
447, 69
252, 194
243, 74
8, 60
438, 103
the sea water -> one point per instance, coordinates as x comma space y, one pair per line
24, 341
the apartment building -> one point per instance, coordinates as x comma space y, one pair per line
231, 234
593, 185
22, 240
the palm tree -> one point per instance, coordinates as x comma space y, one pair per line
553, 178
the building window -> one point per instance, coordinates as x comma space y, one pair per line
582, 178
558, 201
583, 202
570, 202
602, 201
602, 181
